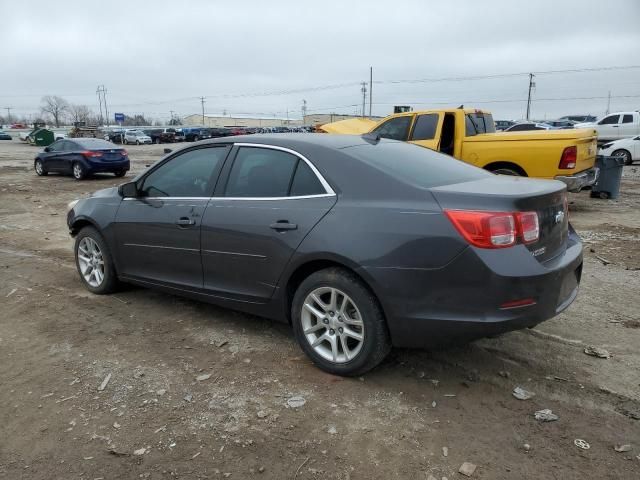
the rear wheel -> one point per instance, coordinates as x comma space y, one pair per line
120, 173
94, 262
624, 154
39, 167
78, 171
506, 171
338, 323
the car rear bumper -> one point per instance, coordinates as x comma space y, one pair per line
462, 301
580, 180
108, 166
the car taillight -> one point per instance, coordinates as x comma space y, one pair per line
123, 153
89, 154
568, 159
495, 229
528, 227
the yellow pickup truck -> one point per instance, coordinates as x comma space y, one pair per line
470, 135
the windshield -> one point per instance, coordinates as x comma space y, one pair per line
479, 122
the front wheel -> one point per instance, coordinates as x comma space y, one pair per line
623, 154
339, 324
39, 168
94, 263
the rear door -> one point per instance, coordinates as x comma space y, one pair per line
629, 125
269, 199
158, 233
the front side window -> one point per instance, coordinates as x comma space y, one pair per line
186, 175
395, 129
261, 172
611, 119
425, 127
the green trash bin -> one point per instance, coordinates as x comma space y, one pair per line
608, 184
43, 137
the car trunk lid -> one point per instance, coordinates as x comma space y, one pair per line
513, 194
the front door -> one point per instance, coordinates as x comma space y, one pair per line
426, 131
271, 201
158, 233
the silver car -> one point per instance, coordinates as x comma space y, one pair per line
136, 136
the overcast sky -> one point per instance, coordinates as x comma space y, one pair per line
157, 56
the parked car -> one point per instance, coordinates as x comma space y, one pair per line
59, 135
136, 136
579, 118
502, 124
628, 148
193, 134
359, 243
82, 157
560, 123
615, 126
469, 135
4, 135
161, 135
179, 135
526, 126
115, 135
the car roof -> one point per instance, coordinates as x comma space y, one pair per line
295, 140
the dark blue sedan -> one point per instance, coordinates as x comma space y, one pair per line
82, 157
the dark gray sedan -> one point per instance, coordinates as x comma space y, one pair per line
359, 243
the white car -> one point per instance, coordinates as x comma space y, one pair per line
629, 148
136, 136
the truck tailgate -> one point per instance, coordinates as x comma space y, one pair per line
587, 151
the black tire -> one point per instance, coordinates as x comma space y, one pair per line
158, 141
39, 168
137, 142
78, 171
120, 173
110, 280
376, 342
624, 154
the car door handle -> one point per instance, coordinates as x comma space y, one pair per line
615, 126
284, 225
185, 221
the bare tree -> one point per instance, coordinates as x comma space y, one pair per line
55, 106
80, 113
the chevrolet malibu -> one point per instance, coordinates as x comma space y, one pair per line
359, 243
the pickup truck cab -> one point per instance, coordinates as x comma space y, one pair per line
615, 126
469, 135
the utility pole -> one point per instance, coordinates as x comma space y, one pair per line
100, 104
370, 89
531, 86
8, 109
364, 95
304, 109
106, 110
171, 119
202, 102
608, 103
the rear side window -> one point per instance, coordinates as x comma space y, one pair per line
627, 119
425, 127
305, 182
261, 172
415, 165
395, 128
475, 123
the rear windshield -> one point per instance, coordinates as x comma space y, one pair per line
93, 143
476, 123
415, 165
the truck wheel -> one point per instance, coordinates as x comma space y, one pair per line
624, 154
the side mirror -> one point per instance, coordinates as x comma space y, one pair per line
47, 149
128, 190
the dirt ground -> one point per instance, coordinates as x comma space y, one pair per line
155, 419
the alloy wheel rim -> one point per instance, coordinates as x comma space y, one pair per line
332, 324
91, 262
39, 168
77, 170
